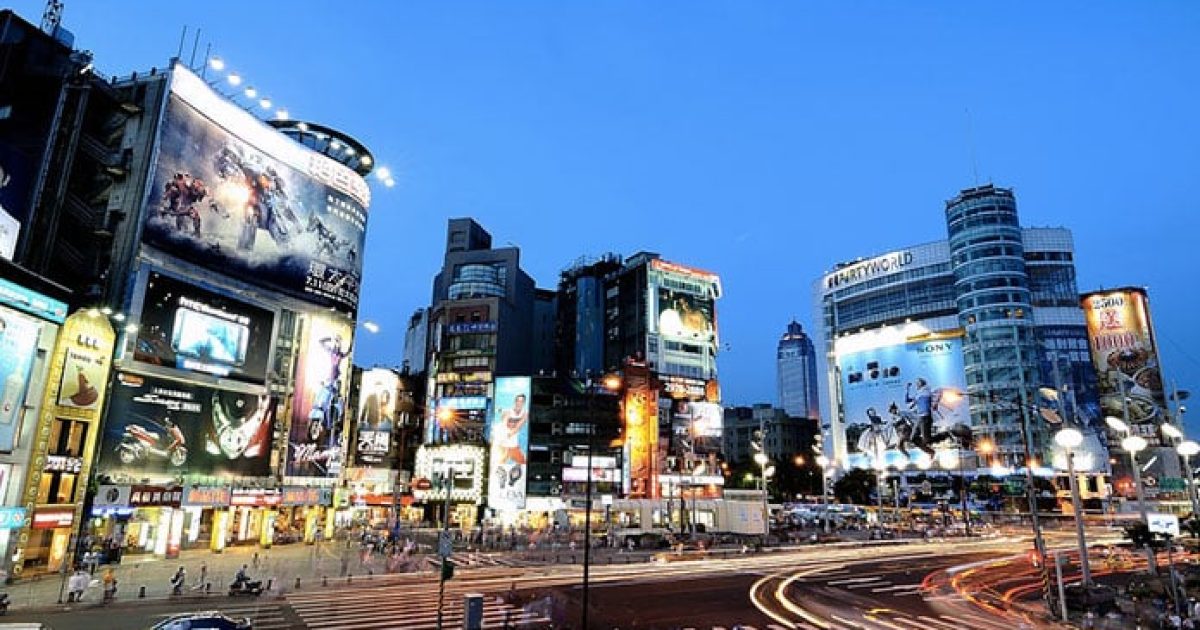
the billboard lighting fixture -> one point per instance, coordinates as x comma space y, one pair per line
120, 317
131, 328
366, 160
282, 114
383, 173
216, 63
264, 103
371, 327
234, 78
389, 182
251, 92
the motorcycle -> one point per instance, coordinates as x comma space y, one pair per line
139, 443
253, 588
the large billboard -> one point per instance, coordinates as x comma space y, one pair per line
698, 426
158, 428
233, 195
901, 400
640, 409
509, 435
377, 398
190, 328
317, 439
1124, 354
18, 344
15, 180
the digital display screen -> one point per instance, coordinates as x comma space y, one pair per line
192, 328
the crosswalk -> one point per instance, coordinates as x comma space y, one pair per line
384, 607
472, 560
263, 614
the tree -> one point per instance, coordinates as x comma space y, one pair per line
855, 487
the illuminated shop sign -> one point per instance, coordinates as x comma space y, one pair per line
63, 463
12, 517
255, 497
463, 328
599, 475
155, 496
598, 461
464, 402
32, 302
867, 269
53, 519
682, 386
305, 495
206, 496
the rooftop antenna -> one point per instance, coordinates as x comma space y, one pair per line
971, 147
52, 16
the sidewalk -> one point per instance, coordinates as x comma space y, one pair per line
282, 562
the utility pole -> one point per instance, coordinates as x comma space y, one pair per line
444, 547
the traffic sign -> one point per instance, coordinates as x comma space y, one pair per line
1163, 523
445, 544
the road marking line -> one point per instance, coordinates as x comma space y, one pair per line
873, 578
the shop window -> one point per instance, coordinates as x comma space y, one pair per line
57, 487
68, 437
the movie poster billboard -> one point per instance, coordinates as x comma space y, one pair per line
159, 429
18, 345
190, 328
698, 426
317, 435
509, 434
15, 180
376, 419
231, 194
640, 409
1125, 355
902, 400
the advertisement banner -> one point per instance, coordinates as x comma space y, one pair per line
1125, 355
190, 328
18, 345
159, 429
376, 416
15, 180
641, 432
317, 439
686, 316
903, 400
83, 377
509, 433
235, 196
462, 464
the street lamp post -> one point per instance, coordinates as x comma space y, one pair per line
823, 462
1070, 439
612, 383
762, 460
1133, 444
1187, 449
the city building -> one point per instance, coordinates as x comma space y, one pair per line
195, 396
796, 373
783, 436
416, 340
976, 328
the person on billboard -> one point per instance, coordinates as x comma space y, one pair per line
877, 438
508, 440
924, 403
327, 406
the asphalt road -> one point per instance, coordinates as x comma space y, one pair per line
874, 587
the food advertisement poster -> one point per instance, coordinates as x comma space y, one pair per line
1125, 355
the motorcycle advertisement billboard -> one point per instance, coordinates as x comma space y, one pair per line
191, 328
902, 398
18, 344
233, 195
509, 435
316, 438
377, 397
160, 429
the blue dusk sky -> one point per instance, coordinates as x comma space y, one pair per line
765, 141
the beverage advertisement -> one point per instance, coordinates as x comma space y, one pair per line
18, 344
191, 328
233, 195
509, 433
1125, 355
317, 436
902, 400
82, 379
376, 416
159, 429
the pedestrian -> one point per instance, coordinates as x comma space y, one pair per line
177, 581
254, 561
110, 584
203, 576
77, 585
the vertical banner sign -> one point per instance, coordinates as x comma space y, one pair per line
75, 389
510, 444
18, 343
319, 399
376, 416
641, 432
1125, 355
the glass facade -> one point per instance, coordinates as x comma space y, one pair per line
796, 374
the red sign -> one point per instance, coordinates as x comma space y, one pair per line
53, 519
254, 497
155, 496
421, 483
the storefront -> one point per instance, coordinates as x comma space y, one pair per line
303, 513
370, 497
138, 519
206, 517
253, 513
63, 441
29, 330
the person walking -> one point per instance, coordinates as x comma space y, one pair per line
177, 581
110, 584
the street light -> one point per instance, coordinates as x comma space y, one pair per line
824, 462
612, 384
1187, 449
1070, 439
762, 460
1132, 444
1116, 424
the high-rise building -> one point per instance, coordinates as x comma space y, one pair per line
979, 325
416, 340
796, 373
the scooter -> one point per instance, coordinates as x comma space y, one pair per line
253, 588
139, 443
